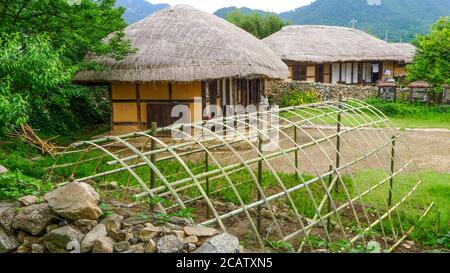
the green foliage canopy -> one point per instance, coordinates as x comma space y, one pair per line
260, 25
432, 61
42, 45
77, 27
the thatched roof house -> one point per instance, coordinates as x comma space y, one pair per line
335, 54
184, 53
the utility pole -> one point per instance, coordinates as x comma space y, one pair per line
354, 21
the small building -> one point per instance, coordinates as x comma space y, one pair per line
342, 55
420, 91
182, 54
387, 91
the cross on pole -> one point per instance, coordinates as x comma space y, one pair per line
354, 21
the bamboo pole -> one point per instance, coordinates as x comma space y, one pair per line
391, 182
338, 139
153, 156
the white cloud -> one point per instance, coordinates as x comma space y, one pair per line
213, 5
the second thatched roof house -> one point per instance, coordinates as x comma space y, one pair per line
184, 53
338, 55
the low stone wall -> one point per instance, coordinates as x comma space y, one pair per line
276, 89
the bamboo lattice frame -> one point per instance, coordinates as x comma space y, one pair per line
339, 172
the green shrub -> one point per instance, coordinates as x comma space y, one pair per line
14, 185
405, 109
295, 97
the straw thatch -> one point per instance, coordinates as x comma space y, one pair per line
408, 50
329, 44
420, 84
185, 44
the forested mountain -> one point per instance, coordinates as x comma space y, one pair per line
402, 19
139, 9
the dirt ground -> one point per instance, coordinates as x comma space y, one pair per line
429, 149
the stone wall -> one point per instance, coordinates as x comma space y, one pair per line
276, 89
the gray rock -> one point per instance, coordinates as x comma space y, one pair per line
120, 235
191, 247
8, 243
150, 247
104, 245
7, 213
75, 201
85, 225
224, 243
201, 231
28, 241
146, 234
89, 240
28, 200
37, 248
34, 219
58, 239
139, 248
169, 244
122, 246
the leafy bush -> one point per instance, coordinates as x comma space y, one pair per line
38, 89
13, 109
14, 185
294, 98
404, 109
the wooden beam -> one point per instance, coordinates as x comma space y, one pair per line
138, 103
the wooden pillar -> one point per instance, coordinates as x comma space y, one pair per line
138, 104
111, 104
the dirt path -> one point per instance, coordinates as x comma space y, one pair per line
429, 149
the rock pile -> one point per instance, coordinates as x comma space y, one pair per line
69, 220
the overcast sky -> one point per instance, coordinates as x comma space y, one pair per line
213, 5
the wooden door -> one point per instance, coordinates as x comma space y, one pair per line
161, 113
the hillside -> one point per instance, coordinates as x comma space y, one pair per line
139, 9
402, 19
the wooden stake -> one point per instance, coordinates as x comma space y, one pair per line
391, 181
297, 176
338, 139
330, 181
260, 166
153, 133
208, 212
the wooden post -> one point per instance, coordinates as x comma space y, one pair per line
391, 182
297, 176
338, 139
208, 212
260, 143
330, 180
153, 133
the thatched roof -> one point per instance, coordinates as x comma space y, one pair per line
408, 50
420, 84
184, 44
327, 44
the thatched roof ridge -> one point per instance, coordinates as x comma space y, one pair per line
184, 44
327, 44
420, 84
407, 49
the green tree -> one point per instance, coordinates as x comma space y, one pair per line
260, 25
432, 61
79, 27
42, 45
